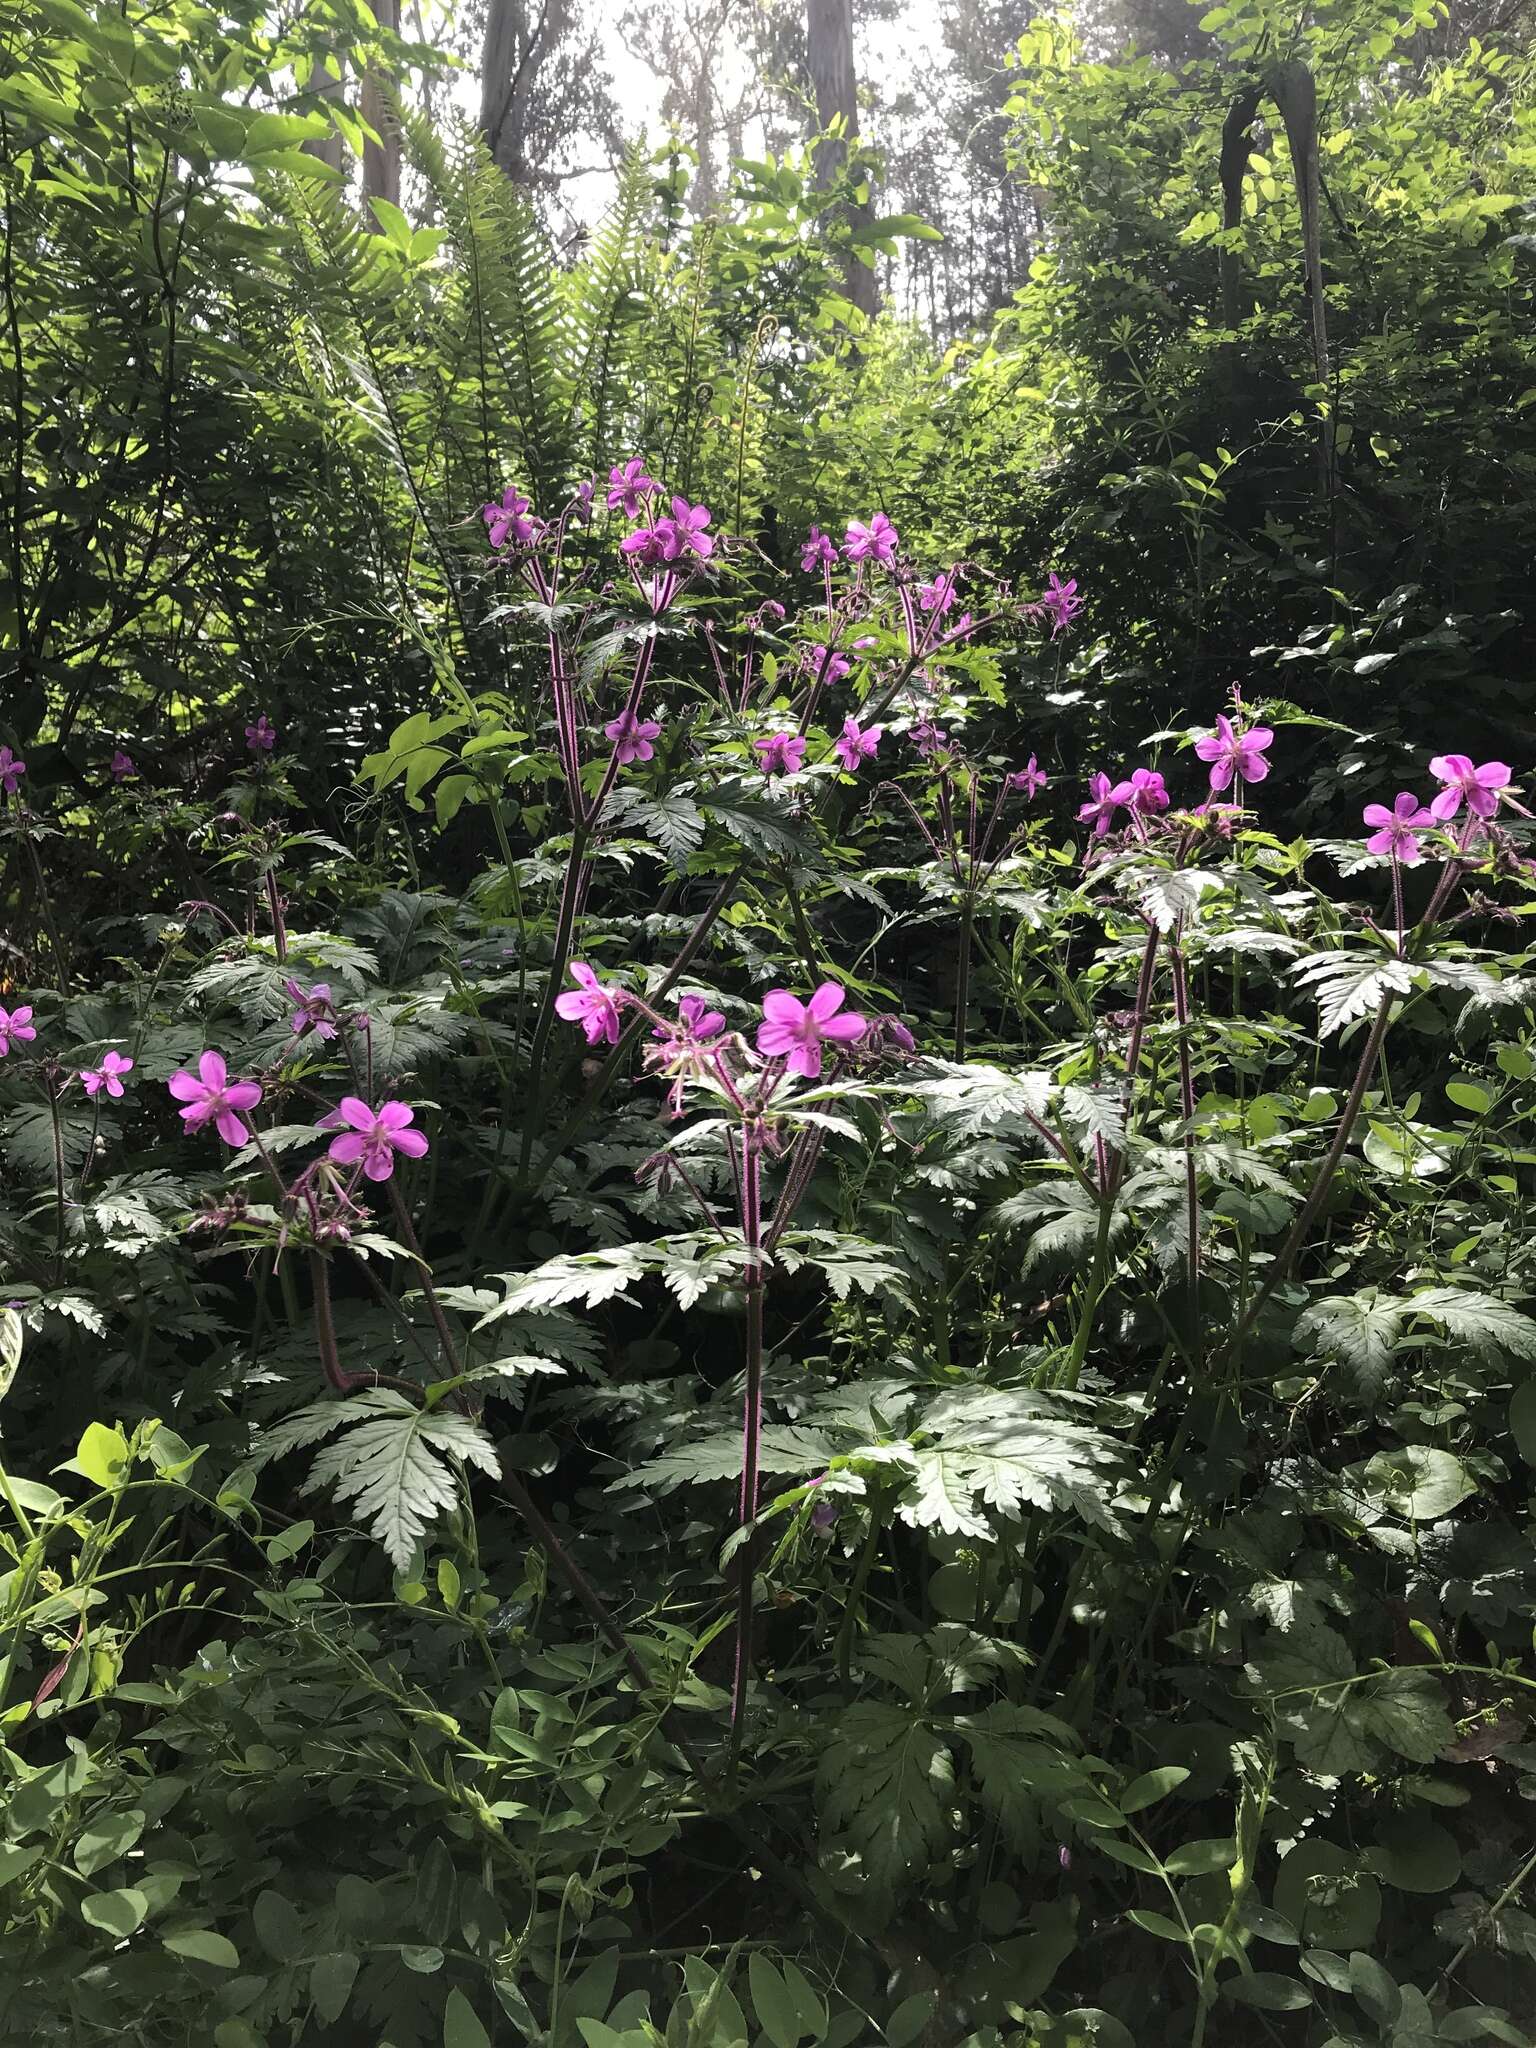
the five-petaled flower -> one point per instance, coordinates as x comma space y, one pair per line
857, 743
939, 595
508, 518
1397, 831
590, 1005
632, 737
1479, 786
261, 737
684, 531
1144, 794
628, 484
817, 551
374, 1136
212, 1098
1060, 602
313, 1009
1028, 779
829, 668
12, 769
695, 1020
682, 1048
928, 738
15, 1028
1230, 753
108, 1075
794, 1030
1101, 806
782, 753
876, 542
121, 765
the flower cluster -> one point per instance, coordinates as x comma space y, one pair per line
1397, 832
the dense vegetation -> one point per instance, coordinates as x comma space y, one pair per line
766, 1098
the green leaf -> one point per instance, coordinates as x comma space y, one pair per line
330, 1985
462, 2027
1469, 1096
116, 1913
1414, 1853
886, 1786
1157, 1923
1418, 1482
775, 2009
1268, 1992
278, 1927
1194, 1859
105, 1838
1150, 1787
392, 1460
1375, 1988
101, 1455
1522, 1420
202, 1945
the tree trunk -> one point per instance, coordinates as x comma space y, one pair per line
381, 159
518, 38
829, 47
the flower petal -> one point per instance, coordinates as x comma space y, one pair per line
212, 1069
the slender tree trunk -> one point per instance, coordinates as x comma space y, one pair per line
381, 159
829, 45
327, 147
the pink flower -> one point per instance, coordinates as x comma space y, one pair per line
121, 765
1144, 794
796, 1030
1397, 831
782, 754
682, 1048
928, 738
107, 1075
262, 736
832, 668
313, 1009
939, 595
1101, 806
507, 519
649, 545
688, 523
1028, 779
212, 1098
1235, 753
858, 743
1060, 602
695, 1020
12, 769
817, 551
1480, 786
632, 737
15, 1025
583, 506
629, 483
375, 1136
878, 541
591, 1005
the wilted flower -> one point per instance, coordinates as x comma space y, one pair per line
313, 1009
1101, 805
15, 1028
795, 1030
1060, 602
878, 541
508, 519
1397, 831
816, 551
212, 1098
889, 1035
1479, 786
632, 737
682, 1048
584, 492
375, 1136
1028, 779
782, 753
121, 766
628, 484
591, 1005
1235, 753
857, 743
261, 737
107, 1075
12, 769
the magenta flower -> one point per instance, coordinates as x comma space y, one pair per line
1060, 602
1235, 753
816, 551
858, 743
375, 1136
12, 769
584, 493
1101, 806
1029, 779
876, 542
682, 1048
1480, 786
508, 519
795, 1030
783, 753
107, 1075
628, 485
632, 737
939, 595
695, 1020
687, 533
212, 1098
590, 1005
313, 1009
928, 738
650, 546
831, 670
121, 765
261, 737
15, 1028
1145, 793
1397, 831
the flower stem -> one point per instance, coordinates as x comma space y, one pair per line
750, 1144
